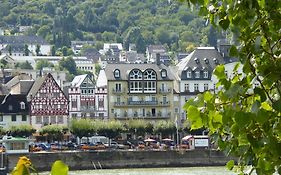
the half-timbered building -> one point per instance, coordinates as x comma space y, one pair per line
48, 103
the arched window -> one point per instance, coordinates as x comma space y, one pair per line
117, 73
135, 81
150, 77
22, 105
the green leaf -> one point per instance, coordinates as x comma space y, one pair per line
208, 96
193, 114
224, 22
266, 106
233, 51
255, 107
277, 105
230, 164
59, 168
261, 93
220, 72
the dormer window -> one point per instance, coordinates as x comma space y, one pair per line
206, 60
10, 107
163, 73
196, 60
117, 73
188, 74
205, 74
22, 105
197, 74
215, 60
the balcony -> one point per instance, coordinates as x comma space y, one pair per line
85, 108
164, 103
118, 91
119, 104
132, 103
165, 90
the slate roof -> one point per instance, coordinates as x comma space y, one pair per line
156, 48
22, 39
36, 86
15, 80
202, 57
14, 101
77, 81
14, 48
126, 68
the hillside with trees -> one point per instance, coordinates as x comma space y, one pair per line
141, 22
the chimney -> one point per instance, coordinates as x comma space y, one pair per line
158, 62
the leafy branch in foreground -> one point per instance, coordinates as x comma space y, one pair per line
245, 120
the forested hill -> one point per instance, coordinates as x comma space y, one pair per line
142, 22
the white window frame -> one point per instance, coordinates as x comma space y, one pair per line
197, 74
188, 74
206, 74
206, 86
196, 87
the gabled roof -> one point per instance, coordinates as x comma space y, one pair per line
102, 79
15, 80
78, 80
14, 101
36, 86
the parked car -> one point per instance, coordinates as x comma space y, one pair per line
44, 146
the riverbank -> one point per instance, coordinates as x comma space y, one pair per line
123, 159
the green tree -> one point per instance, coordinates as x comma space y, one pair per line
24, 65
37, 49
245, 120
21, 130
54, 132
53, 50
110, 129
26, 50
68, 64
40, 64
165, 128
82, 128
137, 127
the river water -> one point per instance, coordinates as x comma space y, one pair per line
156, 171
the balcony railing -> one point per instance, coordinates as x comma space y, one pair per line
141, 102
165, 90
118, 91
90, 108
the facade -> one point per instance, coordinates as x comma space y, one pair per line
140, 91
77, 46
195, 73
14, 110
82, 97
153, 50
101, 97
48, 103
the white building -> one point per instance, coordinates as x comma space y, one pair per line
82, 97
101, 104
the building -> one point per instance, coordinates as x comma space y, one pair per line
14, 110
194, 73
77, 46
153, 50
15, 50
48, 103
101, 96
140, 91
82, 97
31, 41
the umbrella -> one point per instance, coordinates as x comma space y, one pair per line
167, 139
149, 140
187, 137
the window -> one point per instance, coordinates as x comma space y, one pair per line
38, 119
206, 87
23, 118
53, 119
188, 74
14, 118
22, 105
46, 120
10, 107
101, 103
149, 75
163, 73
60, 119
74, 103
135, 75
196, 87
118, 87
205, 74
176, 110
197, 74
186, 87
150, 86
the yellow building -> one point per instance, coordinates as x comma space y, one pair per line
141, 91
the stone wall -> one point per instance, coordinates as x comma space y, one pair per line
123, 159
